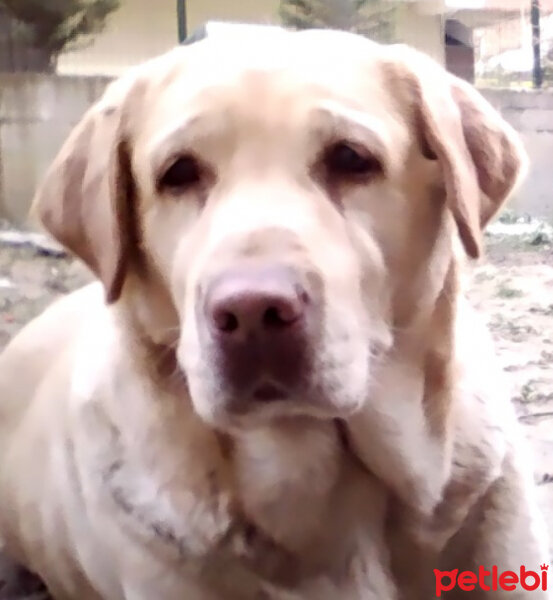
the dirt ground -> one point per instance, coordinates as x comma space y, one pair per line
513, 286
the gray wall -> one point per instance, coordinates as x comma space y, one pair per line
38, 111
36, 114
531, 114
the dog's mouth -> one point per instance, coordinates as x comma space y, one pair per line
269, 392
253, 386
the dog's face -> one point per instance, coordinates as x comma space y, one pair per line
292, 197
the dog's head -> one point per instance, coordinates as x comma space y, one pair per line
291, 199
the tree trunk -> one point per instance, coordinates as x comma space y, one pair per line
16, 54
17, 58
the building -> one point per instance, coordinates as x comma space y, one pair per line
458, 33
141, 29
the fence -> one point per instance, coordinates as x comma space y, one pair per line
36, 114
38, 111
531, 114
506, 50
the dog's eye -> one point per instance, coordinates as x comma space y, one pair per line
183, 173
344, 160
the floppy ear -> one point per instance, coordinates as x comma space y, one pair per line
481, 155
84, 200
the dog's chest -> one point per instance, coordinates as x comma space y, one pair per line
263, 508
285, 476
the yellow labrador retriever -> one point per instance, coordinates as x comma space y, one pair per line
274, 390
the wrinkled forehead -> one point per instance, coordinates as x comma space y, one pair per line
274, 84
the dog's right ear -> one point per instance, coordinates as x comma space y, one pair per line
85, 198
481, 156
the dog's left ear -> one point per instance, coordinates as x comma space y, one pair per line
482, 158
85, 198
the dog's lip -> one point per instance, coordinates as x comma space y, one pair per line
269, 392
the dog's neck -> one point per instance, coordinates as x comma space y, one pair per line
430, 342
402, 434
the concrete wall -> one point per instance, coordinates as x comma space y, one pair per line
38, 111
531, 114
36, 114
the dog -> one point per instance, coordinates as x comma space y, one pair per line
273, 389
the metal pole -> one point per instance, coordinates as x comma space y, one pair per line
181, 20
537, 74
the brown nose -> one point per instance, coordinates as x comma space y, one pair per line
260, 322
255, 302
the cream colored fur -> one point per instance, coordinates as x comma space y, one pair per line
124, 475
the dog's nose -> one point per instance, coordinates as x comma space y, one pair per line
255, 302
260, 322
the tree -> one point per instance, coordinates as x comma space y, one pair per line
43, 29
372, 18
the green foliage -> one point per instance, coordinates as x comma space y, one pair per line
55, 25
372, 18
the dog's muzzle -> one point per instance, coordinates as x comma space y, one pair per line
259, 323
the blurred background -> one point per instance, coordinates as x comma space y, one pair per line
56, 57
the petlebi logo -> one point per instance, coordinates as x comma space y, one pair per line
491, 580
